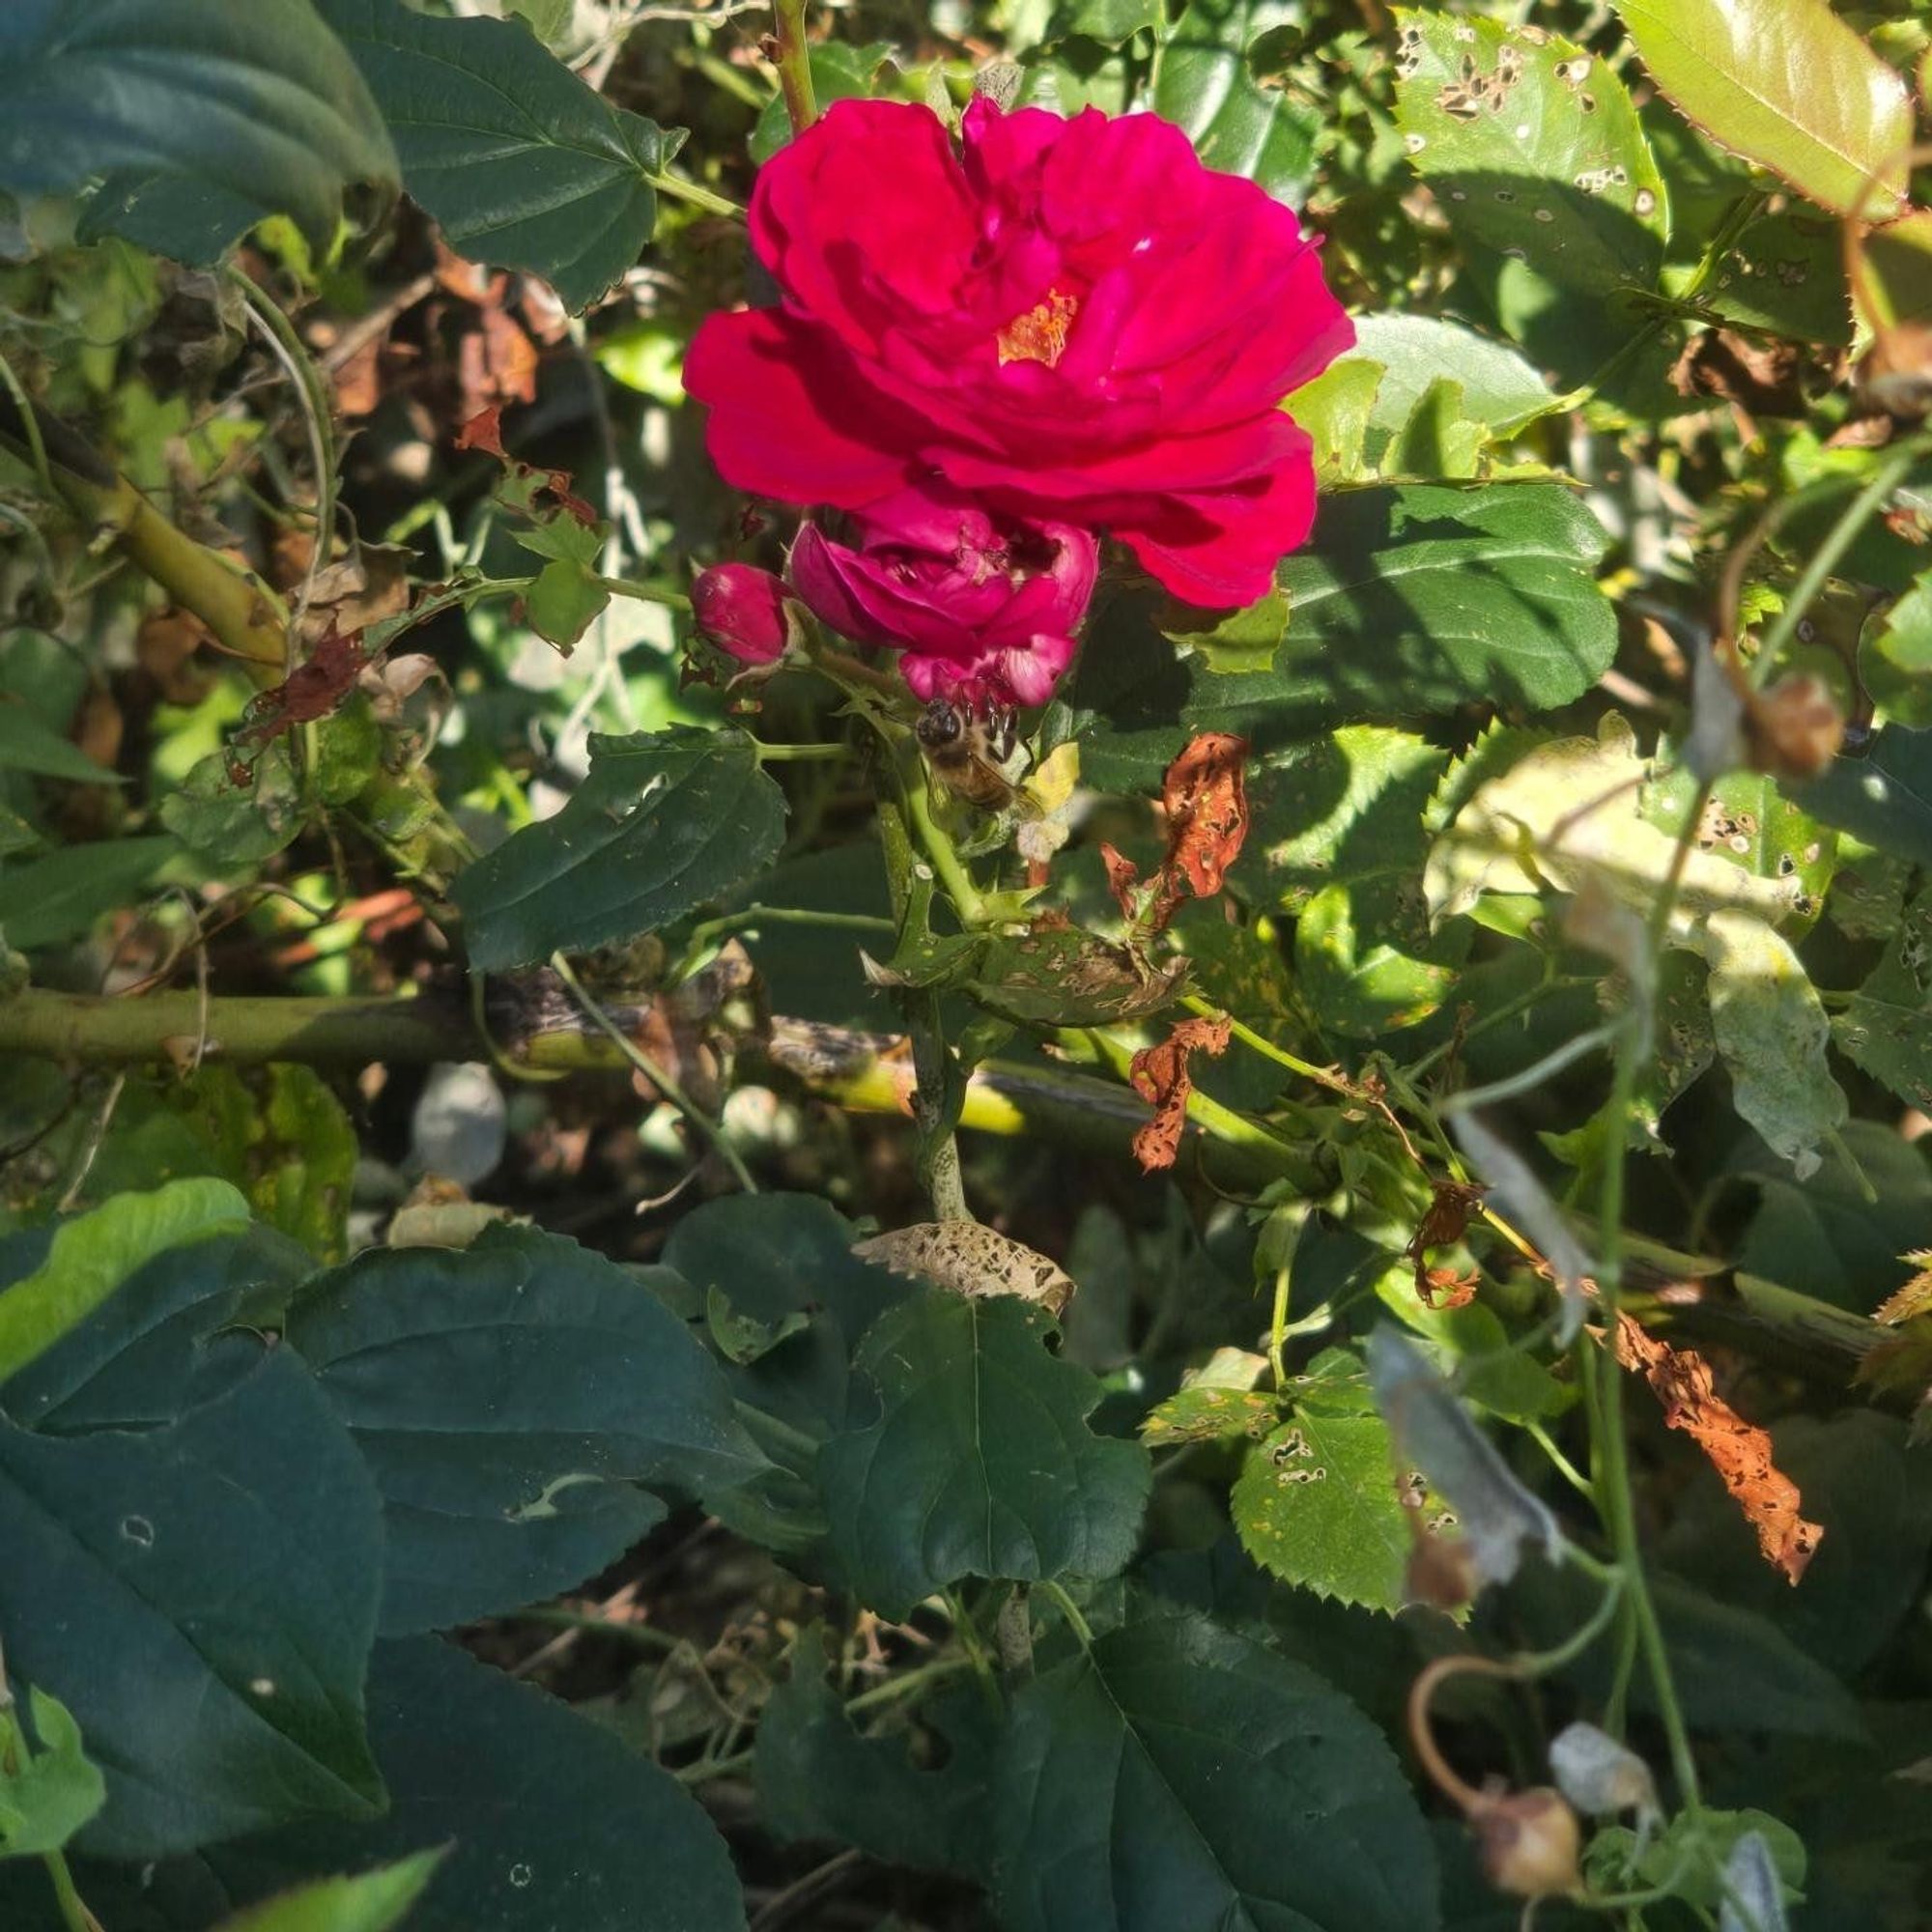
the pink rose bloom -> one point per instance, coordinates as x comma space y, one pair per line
741, 609
985, 608
1071, 320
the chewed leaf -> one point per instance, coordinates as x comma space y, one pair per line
1497, 1513
971, 1259
1160, 1078
1739, 1452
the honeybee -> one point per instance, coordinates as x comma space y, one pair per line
974, 751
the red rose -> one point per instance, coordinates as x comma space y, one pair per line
984, 606
1074, 320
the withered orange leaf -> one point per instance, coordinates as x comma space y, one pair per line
1123, 880
484, 431
1207, 805
1159, 1074
1739, 1452
311, 691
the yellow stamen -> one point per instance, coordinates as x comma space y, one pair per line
1040, 335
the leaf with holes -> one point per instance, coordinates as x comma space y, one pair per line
665, 822
1532, 149
1786, 85
256, 109
966, 1453
522, 164
1179, 1773
1317, 1504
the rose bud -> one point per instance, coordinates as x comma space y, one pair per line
984, 606
1529, 1844
741, 609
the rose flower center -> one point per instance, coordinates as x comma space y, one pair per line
1040, 335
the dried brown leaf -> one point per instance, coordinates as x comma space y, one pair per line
1160, 1077
1740, 1452
968, 1258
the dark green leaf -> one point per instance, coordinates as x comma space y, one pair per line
257, 103
1532, 149
508, 1399
552, 1822
155, 1349
230, 825
91, 1256
1884, 795
775, 1257
1108, 21
1203, 85
1242, 640
1887, 1026
966, 1454
60, 897
818, 1777
1180, 1775
665, 821
1788, 85
520, 164
203, 1597
28, 745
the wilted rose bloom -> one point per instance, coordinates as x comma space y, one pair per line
741, 609
982, 605
1072, 320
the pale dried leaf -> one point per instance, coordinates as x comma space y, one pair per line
968, 1258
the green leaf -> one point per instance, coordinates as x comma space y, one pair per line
1885, 1028
1242, 640
203, 1597
818, 1777
231, 826
1772, 1033
1412, 601
61, 896
663, 822
371, 1901
1179, 1773
156, 1346
520, 162
564, 602
1500, 389
1786, 273
1367, 960
1882, 797
968, 1455
550, 1820
49, 1788
1532, 149
1203, 85
1336, 410
257, 103
93, 1256
838, 72
1065, 978
1786, 85
508, 1399
1895, 659
1108, 21
29, 745
1315, 1504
